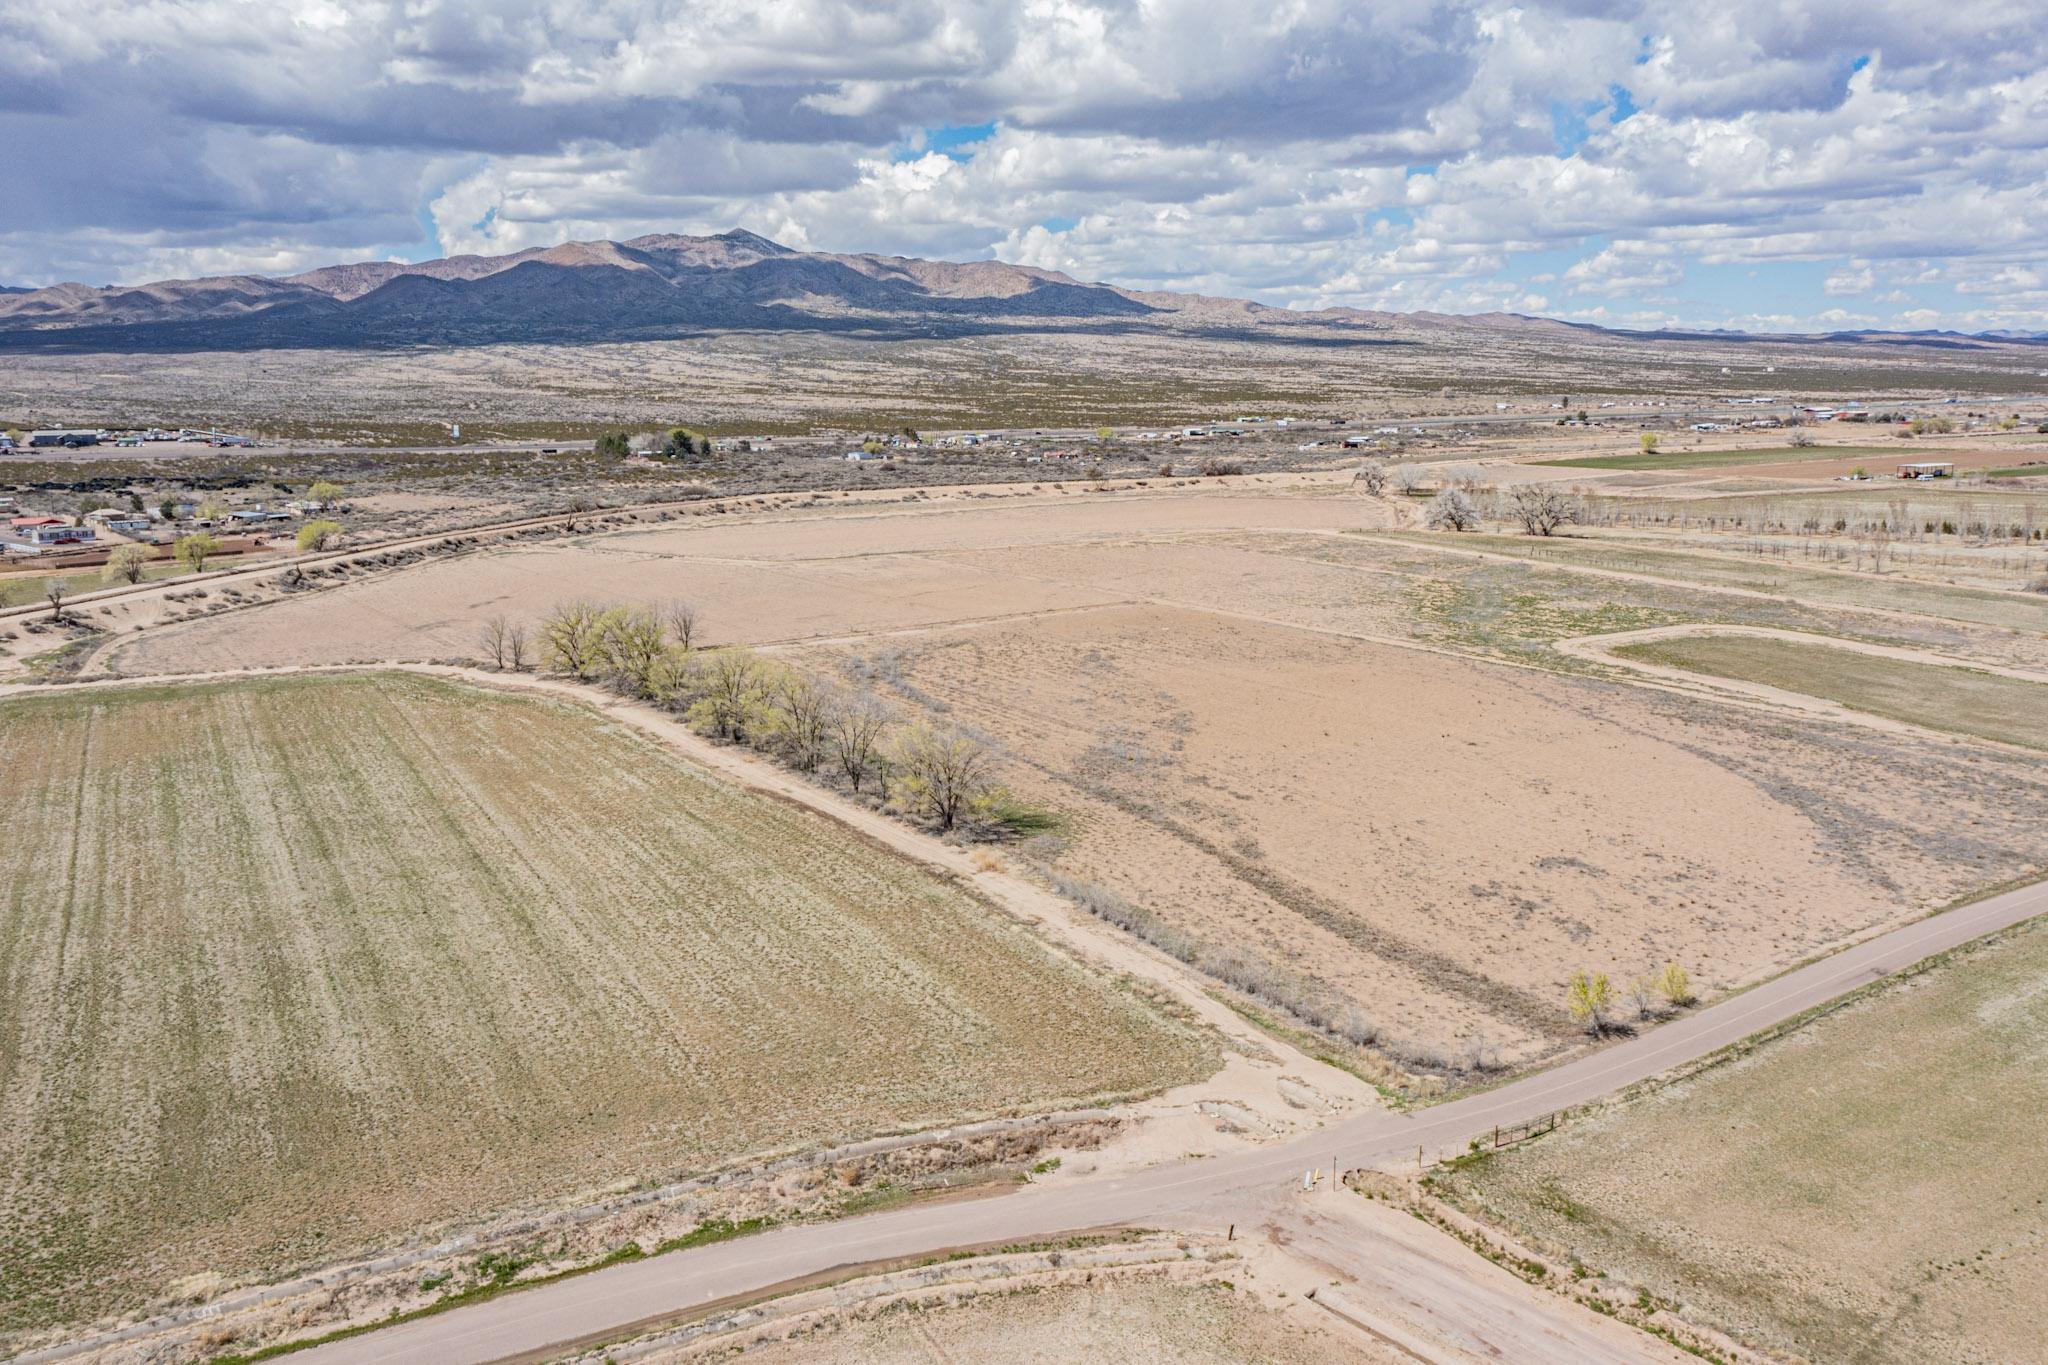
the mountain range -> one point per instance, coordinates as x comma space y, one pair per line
666, 286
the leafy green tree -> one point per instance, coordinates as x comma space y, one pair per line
616, 444
942, 774
732, 692
194, 550
325, 493
1648, 441
318, 535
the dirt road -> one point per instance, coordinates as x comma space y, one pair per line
1243, 1189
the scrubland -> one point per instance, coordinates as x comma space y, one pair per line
1870, 1186
296, 967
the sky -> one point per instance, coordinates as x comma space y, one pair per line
1768, 165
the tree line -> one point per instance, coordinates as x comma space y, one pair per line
844, 734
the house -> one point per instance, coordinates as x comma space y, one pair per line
251, 516
119, 519
34, 535
1928, 469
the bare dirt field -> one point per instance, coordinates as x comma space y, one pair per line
1444, 841
1278, 732
1131, 1323
758, 578
1870, 1186
301, 966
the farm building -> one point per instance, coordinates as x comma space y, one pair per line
64, 438
1928, 469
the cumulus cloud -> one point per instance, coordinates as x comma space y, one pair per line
1633, 162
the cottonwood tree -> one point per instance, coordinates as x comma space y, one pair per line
569, 639
1649, 441
629, 641
1372, 477
325, 493
942, 774
56, 590
126, 563
1452, 509
194, 550
730, 683
1590, 998
318, 535
1541, 510
855, 729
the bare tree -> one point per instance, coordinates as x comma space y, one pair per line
1372, 477
1802, 439
944, 773
681, 616
1542, 509
495, 637
516, 646
855, 727
1407, 476
56, 590
1452, 509
802, 715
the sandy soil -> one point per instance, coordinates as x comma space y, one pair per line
1442, 840
757, 578
1115, 1323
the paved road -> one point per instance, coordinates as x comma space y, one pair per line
1195, 1195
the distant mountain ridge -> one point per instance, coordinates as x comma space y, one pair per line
657, 285
669, 285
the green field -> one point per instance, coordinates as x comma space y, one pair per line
291, 969
1872, 1186
1716, 459
20, 589
1960, 700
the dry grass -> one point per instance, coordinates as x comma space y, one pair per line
1870, 1187
1959, 700
294, 967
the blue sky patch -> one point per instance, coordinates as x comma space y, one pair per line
953, 139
